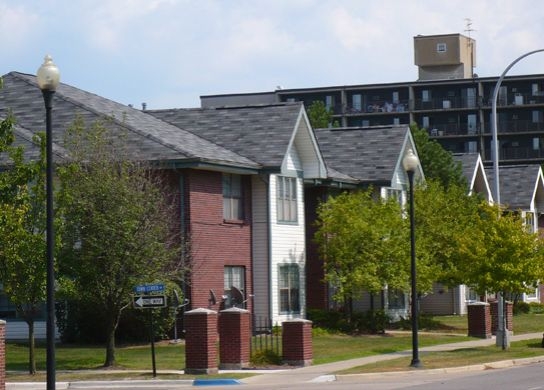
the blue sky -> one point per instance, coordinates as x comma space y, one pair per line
169, 52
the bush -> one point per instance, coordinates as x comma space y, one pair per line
265, 357
334, 321
521, 307
536, 308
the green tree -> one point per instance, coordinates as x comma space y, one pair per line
320, 116
118, 225
500, 255
437, 163
364, 243
22, 228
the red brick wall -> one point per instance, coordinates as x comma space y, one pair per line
214, 243
316, 288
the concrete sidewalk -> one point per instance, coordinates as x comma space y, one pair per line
317, 373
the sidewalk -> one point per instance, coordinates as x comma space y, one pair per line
317, 373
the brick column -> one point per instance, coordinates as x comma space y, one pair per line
234, 338
296, 339
508, 312
201, 341
479, 320
2, 355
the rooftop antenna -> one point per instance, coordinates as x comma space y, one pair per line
469, 30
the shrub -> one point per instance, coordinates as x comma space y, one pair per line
536, 308
265, 357
521, 307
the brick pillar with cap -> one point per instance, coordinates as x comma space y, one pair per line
201, 341
296, 336
234, 338
479, 320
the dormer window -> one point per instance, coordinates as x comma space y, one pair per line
441, 47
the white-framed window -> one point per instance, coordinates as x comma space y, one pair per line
392, 193
329, 102
289, 288
234, 286
426, 95
287, 199
441, 47
232, 197
528, 221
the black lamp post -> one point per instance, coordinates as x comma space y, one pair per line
48, 77
410, 163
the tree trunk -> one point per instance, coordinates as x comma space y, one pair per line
31, 348
110, 341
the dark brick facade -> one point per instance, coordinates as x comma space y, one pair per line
214, 242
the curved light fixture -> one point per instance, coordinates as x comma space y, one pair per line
410, 162
48, 75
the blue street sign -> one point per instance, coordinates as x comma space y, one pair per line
149, 288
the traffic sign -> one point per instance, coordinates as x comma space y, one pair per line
149, 288
149, 301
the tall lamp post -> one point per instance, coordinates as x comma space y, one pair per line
410, 163
502, 339
48, 77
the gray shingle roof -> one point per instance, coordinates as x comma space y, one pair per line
366, 154
468, 164
260, 133
517, 184
146, 136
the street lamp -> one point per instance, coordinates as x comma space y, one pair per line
410, 163
502, 338
48, 77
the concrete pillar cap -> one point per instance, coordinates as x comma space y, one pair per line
200, 310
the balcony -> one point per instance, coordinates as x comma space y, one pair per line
379, 107
446, 103
453, 129
516, 99
518, 153
516, 126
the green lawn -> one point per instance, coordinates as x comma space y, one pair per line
326, 348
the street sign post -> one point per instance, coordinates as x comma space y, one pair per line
149, 301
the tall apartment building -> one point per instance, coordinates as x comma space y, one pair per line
448, 100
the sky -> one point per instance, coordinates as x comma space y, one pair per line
167, 53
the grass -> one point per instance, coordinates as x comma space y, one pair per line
84, 362
455, 358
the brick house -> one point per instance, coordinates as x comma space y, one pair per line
237, 174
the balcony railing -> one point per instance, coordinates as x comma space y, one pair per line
518, 153
451, 129
444, 103
380, 107
516, 99
515, 126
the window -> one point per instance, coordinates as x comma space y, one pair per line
392, 193
234, 286
232, 197
396, 299
329, 102
529, 221
426, 95
441, 47
287, 199
537, 116
289, 286
357, 102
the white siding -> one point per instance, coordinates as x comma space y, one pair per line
309, 155
261, 262
18, 330
287, 247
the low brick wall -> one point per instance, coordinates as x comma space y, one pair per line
508, 312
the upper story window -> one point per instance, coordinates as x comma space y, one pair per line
441, 47
232, 197
287, 199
